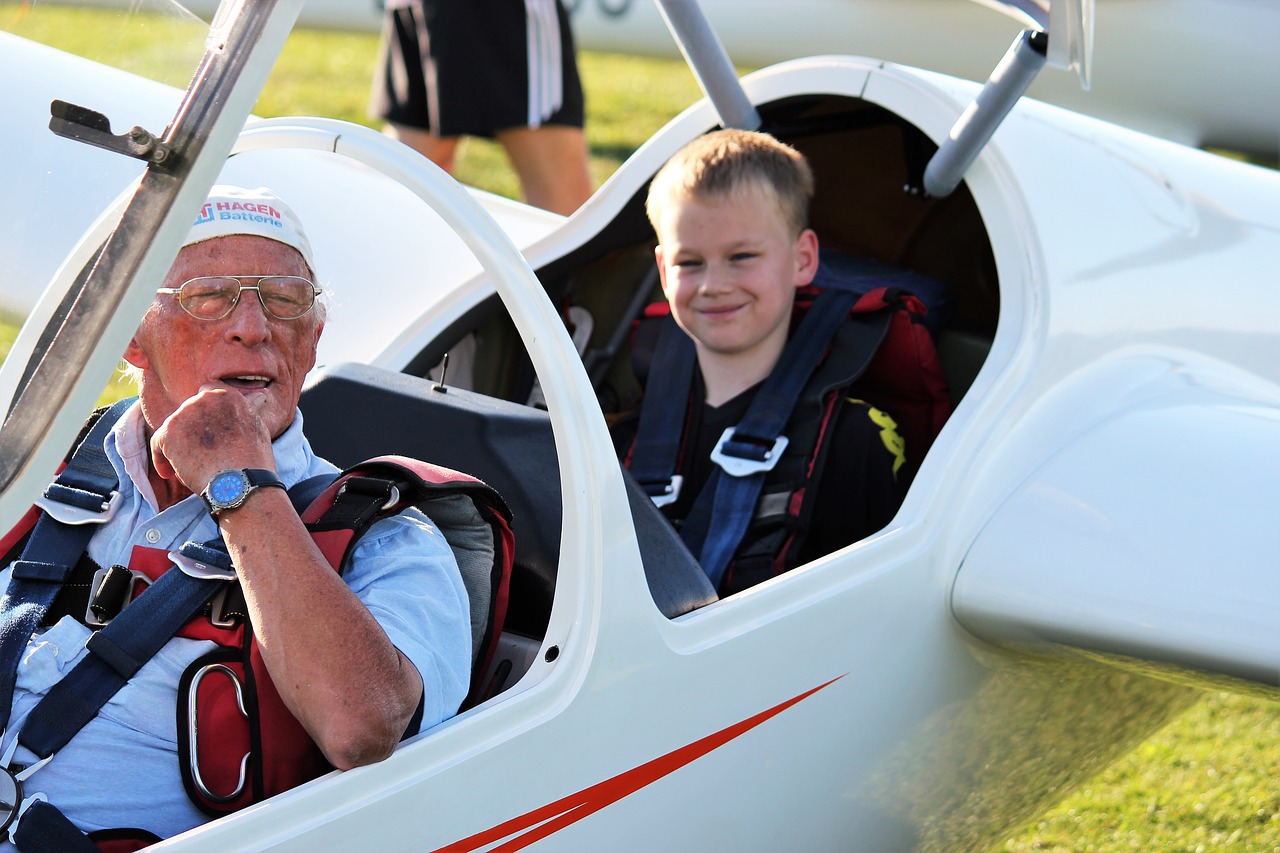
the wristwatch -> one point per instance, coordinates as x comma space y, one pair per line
230, 488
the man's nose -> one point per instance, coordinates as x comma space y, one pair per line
248, 320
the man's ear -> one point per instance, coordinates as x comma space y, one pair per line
806, 257
315, 345
136, 355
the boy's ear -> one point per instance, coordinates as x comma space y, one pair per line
806, 257
662, 266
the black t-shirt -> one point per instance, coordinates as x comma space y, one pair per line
858, 489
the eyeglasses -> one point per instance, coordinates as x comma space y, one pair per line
212, 297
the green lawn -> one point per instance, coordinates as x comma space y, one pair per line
1208, 781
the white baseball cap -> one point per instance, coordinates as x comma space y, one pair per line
258, 212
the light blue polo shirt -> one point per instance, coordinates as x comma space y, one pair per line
122, 770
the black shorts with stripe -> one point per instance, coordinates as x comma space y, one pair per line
474, 67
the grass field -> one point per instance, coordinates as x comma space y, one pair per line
1209, 781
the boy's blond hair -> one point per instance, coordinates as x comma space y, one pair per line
720, 163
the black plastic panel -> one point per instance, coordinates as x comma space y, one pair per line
353, 412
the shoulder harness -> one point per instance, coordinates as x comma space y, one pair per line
238, 743
851, 334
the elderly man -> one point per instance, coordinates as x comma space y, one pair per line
220, 358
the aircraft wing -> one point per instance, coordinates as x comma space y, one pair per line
1137, 536
1142, 72
1204, 74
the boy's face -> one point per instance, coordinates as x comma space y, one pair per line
730, 268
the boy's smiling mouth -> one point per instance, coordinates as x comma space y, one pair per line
718, 311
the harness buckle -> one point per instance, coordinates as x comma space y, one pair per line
204, 564
668, 492
10, 827
393, 496
11, 801
71, 514
736, 465
111, 592
13, 805
220, 608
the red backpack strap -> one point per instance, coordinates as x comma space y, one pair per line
10, 543
477, 524
470, 514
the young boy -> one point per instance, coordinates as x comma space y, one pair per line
731, 215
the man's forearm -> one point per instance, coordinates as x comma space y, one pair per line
330, 660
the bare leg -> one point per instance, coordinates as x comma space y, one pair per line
441, 150
551, 162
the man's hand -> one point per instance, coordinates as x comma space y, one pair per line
215, 429
339, 675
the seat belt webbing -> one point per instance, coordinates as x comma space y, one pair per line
116, 652
131, 639
44, 829
661, 426
87, 482
732, 499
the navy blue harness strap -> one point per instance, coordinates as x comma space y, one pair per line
116, 652
733, 498
773, 404
131, 639
661, 425
44, 829
304, 493
54, 548
722, 520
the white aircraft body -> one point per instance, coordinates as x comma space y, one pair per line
1087, 547
1200, 72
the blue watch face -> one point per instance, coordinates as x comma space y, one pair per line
226, 487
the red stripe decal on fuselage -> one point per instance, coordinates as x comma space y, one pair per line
554, 817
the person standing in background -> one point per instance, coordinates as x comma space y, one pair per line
499, 69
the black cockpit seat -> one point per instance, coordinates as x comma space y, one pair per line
353, 412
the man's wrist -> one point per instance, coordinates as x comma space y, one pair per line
231, 487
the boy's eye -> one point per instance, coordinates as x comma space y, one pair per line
743, 256
688, 263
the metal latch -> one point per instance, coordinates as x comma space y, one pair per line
85, 125
741, 466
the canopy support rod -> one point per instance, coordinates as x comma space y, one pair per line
976, 125
710, 63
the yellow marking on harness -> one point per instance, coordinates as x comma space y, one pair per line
889, 436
